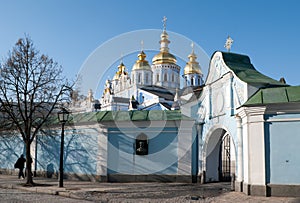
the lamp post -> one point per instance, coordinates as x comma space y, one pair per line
63, 116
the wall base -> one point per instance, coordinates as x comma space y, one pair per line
238, 186
268, 190
68, 176
255, 190
246, 188
148, 178
9, 171
283, 190
258, 190
202, 177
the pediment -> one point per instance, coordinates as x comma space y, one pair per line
217, 68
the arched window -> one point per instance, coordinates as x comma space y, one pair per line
147, 78
141, 144
172, 77
133, 78
139, 78
192, 81
199, 83
165, 77
157, 77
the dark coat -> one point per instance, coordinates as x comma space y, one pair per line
20, 162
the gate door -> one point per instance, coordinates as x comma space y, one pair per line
224, 166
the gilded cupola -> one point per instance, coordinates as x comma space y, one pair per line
141, 63
121, 71
107, 89
192, 66
164, 56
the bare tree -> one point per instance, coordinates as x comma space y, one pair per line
31, 86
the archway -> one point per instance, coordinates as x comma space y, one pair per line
219, 156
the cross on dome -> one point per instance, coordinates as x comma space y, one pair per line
142, 45
192, 45
164, 22
121, 58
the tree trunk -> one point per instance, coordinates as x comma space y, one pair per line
29, 180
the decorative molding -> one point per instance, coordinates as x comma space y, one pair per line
283, 120
239, 92
251, 111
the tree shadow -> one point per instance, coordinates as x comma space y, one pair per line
11, 146
80, 152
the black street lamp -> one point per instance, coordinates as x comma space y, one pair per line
63, 116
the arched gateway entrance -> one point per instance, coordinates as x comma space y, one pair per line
219, 156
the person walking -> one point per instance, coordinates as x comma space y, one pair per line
20, 165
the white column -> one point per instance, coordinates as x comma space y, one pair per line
185, 130
254, 171
239, 177
102, 154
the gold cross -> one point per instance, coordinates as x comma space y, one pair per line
164, 22
192, 45
142, 45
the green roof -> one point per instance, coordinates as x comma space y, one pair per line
104, 116
276, 95
244, 70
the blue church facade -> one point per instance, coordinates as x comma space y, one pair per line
261, 118
238, 125
270, 124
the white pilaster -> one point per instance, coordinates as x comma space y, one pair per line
185, 147
254, 177
239, 150
102, 155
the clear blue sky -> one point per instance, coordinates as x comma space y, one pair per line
69, 31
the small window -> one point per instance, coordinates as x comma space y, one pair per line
192, 81
157, 77
147, 76
141, 144
165, 77
173, 77
139, 78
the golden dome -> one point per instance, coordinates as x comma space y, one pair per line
121, 71
141, 64
107, 91
192, 67
107, 87
164, 57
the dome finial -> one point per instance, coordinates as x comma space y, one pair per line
121, 61
164, 23
164, 42
142, 45
192, 45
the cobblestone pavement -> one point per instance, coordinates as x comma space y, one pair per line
176, 192
19, 196
83, 191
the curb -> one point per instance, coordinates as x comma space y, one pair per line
42, 190
7, 186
